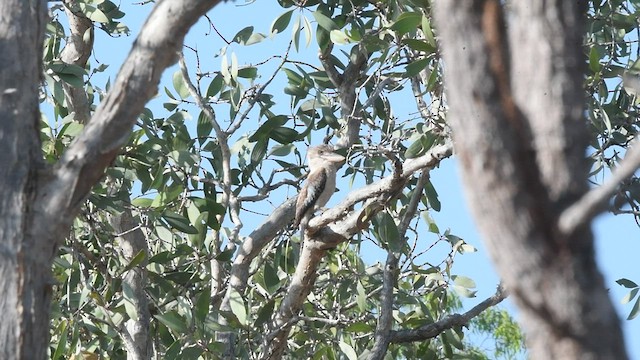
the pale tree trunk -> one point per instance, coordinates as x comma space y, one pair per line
38, 203
132, 241
516, 109
25, 283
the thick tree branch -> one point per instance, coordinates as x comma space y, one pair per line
131, 240
156, 47
430, 331
409, 168
301, 284
335, 226
593, 202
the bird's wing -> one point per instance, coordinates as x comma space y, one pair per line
309, 194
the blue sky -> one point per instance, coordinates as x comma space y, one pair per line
618, 237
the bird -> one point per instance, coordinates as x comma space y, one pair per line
320, 183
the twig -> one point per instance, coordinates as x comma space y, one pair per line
434, 329
390, 276
594, 201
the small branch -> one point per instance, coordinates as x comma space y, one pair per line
432, 330
390, 276
376, 93
254, 98
329, 68
77, 51
208, 110
595, 201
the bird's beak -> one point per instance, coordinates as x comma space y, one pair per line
336, 158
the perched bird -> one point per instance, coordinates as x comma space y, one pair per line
320, 184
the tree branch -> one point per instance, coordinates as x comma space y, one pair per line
517, 113
593, 202
410, 167
77, 51
429, 331
382, 336
156, 47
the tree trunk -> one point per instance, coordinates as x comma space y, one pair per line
519, 130
25, 280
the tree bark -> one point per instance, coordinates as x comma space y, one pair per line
25, 283
516, 109
38, 203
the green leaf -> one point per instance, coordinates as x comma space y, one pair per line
407, 22
296, 33
226, 255
359, 327
634, 310
264, 313
69, 73
164, 233
259, 150
428, 32
72, 80
234, 66
454, 339
281, 22
420, 146
243, 36
248, 72
215, 86
282, 150
432, 196
265, 129
238, 307
361, 297
284, 135
626, 283
191, 352
307, 31
433, 227
204, 127
173, 321
137, 260
464, 292
180, 84
629, 297
348, 350
255, 38
324, 21
464, 281
202, 304
93, 13
179, 222
415, 67
62, 342
339, 37
419, 45
594, 60
128, 301
271, 279
388, 231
